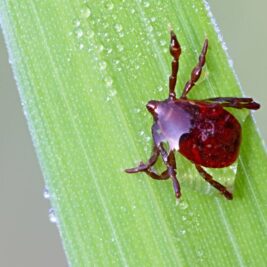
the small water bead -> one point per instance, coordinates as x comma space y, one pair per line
162, 42
136, 110
183, 232
120, 47
100, 48
102, 65
109, 50
113, 93
150, 28
184, 218
81, 46
76, 23
108, 81
160, 88
85, 13
110, 6
52, 216
79, 33
46, 193
146, 4
118, 27
90, 34
183, 205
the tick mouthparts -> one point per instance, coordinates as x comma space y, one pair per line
151, 106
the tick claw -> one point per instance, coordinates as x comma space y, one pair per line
228, 195
178, 195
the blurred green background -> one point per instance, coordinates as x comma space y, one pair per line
27, 236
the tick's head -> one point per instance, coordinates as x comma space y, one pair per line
152, 107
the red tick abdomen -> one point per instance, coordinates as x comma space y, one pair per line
214, 139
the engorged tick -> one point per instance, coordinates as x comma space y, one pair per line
201, 130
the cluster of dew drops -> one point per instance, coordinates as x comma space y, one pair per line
106, 42
51, 212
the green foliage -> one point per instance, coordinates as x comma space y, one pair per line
84, 72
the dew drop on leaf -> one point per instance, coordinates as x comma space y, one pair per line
118, 27
46, 193
79, 33
102, 65
85, 13
52, 216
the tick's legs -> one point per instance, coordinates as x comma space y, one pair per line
144, 166
195, 74
169, 160
175, 51
214, 183
163, 176
235, 102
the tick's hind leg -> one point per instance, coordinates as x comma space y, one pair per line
214, 183
196, 72
235, 102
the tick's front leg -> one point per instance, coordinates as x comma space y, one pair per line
169, 160
163, 176
145, 166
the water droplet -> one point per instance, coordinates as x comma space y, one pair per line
146, 4
52, 216
76, 23
136, 110
90, 34
118, 27
120, 47
184, 218
100, 48
150, 28
79, 32
160, 88
183, 232
85, 13
110, 6
200, 253
108, 81
153, 19
46, 193
113, 93
141, 133
183, 205
81, 46
102, 65
162, 42
148, 138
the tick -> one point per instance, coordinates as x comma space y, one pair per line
203, 131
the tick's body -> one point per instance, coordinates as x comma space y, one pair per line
201, 130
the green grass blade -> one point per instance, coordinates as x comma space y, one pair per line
84, 72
